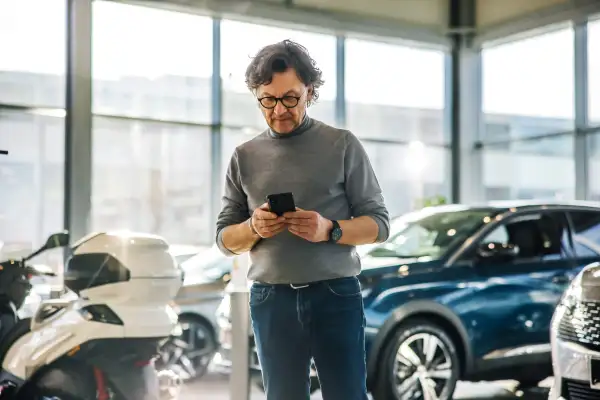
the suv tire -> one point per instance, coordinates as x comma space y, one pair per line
424, 354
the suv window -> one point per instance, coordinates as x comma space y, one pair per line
537, 236
586, 233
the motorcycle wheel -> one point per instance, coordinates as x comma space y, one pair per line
190, 354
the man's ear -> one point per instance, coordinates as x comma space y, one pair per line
309, 95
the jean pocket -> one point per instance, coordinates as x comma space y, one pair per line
344, 287
259, 294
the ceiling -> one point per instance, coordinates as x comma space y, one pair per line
421, 20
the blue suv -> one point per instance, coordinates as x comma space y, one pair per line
467, 293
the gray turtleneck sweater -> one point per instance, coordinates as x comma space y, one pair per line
328, 171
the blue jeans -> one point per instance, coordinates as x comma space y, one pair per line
323, 321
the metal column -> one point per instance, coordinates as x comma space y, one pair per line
581, 110
340, 82
216, 139
463, 97
78, 121
239, 381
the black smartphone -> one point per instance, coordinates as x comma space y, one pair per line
281, 203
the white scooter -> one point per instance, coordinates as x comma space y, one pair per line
100, 344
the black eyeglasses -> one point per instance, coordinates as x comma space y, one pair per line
270, 102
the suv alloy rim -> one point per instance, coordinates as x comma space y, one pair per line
189, 354
422, 368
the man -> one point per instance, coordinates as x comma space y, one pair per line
306, 300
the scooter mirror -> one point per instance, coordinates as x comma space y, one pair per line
59, 239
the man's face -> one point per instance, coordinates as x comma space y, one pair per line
288, 89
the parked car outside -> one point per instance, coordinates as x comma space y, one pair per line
190, 350
183, 253
575, 333
465, 293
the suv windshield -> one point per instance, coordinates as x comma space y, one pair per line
432, 235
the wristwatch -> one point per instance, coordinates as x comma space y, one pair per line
336, 232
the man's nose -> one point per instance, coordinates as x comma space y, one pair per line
280, 109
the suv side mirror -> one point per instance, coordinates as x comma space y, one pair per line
497, 252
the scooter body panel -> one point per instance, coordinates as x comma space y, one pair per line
44, 344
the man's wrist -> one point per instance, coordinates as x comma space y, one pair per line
251, 226
329, 227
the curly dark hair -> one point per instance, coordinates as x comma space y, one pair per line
279, 57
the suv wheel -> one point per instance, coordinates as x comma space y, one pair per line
420, 362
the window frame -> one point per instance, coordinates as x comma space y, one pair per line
574, 234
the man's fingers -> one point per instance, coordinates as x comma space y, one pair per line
270, 222
303, 235
262, 214
299, 221
300, 214
274, 228
299, 229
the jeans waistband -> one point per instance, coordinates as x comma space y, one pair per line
298, 286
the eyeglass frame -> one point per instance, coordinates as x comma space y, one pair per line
280, 100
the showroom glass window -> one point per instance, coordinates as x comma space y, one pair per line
594, 71
528, 92
395, 104
240, 41
32, 75
594, 108
152, 174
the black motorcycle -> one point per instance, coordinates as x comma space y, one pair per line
15, 284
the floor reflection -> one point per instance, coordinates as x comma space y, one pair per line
216, 387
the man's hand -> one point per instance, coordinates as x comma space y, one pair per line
267, 224
309, 225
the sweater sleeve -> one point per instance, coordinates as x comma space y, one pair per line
362, 187
234, 203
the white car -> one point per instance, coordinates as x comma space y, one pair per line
575, 338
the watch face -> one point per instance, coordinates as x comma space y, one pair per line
336, 234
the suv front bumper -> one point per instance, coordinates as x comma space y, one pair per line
571, 365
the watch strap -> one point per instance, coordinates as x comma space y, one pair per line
335, 226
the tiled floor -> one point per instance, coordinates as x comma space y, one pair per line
216, 387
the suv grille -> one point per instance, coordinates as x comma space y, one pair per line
578, 390
582, 325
